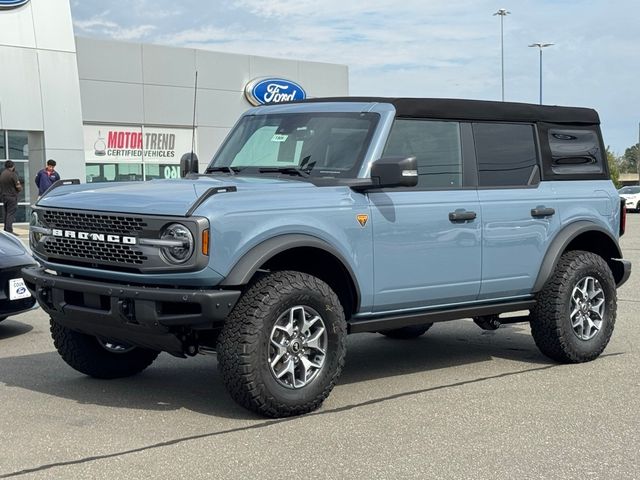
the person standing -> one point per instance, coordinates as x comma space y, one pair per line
10, 187
47, 177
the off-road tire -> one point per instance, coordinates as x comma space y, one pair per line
85, 354
407, 333
550, 318
243, 344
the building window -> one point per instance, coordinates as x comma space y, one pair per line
133, 153
18, 152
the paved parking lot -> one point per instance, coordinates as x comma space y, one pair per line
458, 403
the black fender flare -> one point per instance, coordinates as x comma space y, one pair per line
560, 243
248, 265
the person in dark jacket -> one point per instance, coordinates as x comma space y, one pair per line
10, 187
47, 177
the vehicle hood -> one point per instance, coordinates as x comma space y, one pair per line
158, 197
10, 246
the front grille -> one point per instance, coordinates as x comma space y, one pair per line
91, 222
112, 253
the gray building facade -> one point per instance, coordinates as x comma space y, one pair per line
117, 111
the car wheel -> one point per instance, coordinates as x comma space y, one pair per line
575, 312
407, 333
638, 207
97, 357
282, 348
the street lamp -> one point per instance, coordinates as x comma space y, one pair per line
503, 13
540, 47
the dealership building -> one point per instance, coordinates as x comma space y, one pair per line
119, 111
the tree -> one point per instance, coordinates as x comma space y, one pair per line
613, 168
629, 161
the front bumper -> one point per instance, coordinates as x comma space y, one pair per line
139, 315
8, 306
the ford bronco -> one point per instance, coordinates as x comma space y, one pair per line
326, 217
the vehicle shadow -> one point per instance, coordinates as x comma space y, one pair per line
194, 384
10, 328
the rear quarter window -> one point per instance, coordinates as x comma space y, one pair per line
575, 152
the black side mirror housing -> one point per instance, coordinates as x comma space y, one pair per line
188, 164
394, 172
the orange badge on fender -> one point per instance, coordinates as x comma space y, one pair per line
362, 219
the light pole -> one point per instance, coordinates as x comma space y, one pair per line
540, 46
503, 13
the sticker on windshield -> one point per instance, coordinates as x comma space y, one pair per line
278, 137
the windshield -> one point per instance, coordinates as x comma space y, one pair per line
317, 144
629, 190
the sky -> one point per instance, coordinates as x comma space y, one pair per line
416, 48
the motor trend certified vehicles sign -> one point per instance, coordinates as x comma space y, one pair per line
109, 143
9, 4
263, 91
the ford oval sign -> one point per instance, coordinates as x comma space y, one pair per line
263, 91
8, 4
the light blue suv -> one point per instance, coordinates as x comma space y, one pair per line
334, 216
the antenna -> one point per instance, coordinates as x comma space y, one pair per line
193, 126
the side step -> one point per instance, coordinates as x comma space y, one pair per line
398, 321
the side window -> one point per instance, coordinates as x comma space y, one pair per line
574, 152
436, 146
506, 154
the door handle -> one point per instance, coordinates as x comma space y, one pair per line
461, 216
542, 212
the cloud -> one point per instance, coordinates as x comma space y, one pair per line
101, 25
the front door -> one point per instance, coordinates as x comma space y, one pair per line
427, 239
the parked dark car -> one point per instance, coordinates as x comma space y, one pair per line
14, 296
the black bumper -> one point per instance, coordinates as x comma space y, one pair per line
144, 316
8, 306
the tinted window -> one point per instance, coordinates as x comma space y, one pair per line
436, 146
574, 152
629, 190
506, 154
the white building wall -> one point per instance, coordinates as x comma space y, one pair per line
39, 88
152, 85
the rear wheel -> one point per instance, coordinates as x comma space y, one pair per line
98, 357
575, 312
407, 333
283, 346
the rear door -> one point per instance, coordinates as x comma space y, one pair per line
520, 214
427, 238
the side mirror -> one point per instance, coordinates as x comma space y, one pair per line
188, 164
394, 172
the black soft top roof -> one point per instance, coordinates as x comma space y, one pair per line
459, 109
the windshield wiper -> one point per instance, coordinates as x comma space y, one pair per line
231, 170
286, 170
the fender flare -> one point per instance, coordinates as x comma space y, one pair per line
251, 261
560, 243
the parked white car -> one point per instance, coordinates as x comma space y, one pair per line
631, 194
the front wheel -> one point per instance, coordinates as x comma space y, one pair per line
98, 357
575, 312
283, 346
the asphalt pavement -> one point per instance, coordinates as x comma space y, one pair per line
458, 403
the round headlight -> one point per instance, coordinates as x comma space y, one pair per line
183, 242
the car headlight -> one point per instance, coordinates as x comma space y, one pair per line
182, 244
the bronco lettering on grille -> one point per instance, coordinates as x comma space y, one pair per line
95, 237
